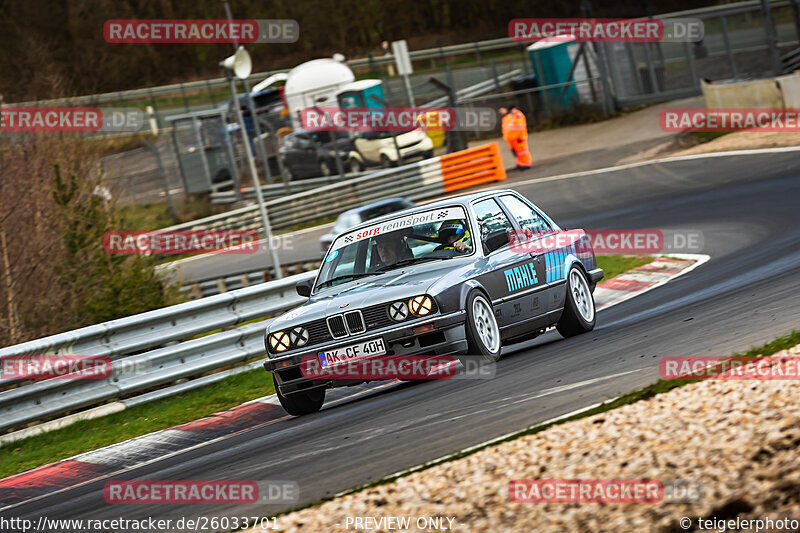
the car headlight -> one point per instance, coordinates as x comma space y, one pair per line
279, 341
298, 336
420, 305
398, 311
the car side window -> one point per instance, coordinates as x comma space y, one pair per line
493, 224
527, 218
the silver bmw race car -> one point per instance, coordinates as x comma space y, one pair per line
463, 275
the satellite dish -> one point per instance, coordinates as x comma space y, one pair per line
239, 63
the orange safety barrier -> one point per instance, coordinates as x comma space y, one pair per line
472, 166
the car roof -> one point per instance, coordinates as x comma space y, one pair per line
463, 199
373, 205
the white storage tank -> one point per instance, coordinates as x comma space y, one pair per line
316, 83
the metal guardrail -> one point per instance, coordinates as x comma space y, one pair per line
207, 287
142, 342
414, 181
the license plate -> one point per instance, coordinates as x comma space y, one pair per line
353, 352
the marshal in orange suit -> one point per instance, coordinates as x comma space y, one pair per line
515, 133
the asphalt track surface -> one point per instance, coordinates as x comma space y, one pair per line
747, 294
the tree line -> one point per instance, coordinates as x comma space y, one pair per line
54, 49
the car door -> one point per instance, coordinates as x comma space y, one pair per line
510, 276
548, 252
368, 145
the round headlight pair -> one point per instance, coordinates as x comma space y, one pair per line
280, 341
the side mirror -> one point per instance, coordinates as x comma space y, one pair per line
304, 287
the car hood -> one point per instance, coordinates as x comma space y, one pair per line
393, 285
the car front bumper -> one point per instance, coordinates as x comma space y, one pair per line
447, 336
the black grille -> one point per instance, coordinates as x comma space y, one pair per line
318, 331
375, 316
355, 322
336, 326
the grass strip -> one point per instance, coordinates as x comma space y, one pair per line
615, 264
88, 435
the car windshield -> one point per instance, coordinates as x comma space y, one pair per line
427, 235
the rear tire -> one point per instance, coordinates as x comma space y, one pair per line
325, 169
579, 314
300, 403
483, 333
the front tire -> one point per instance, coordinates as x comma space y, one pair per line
579, 314
355, 165
300, 403
483, 334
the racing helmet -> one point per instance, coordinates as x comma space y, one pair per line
450, 228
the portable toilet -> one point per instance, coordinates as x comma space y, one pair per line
360, 94
552, 62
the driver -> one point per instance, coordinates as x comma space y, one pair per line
454, 235
392, 248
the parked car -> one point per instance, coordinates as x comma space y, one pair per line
357, 215
388, 287
309, 154
378, 148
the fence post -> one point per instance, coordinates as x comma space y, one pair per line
153, 103
690, 61
772, 37
211, 94
494, 74
796, 17
164, 182
723, 21
185, 100
608, 101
